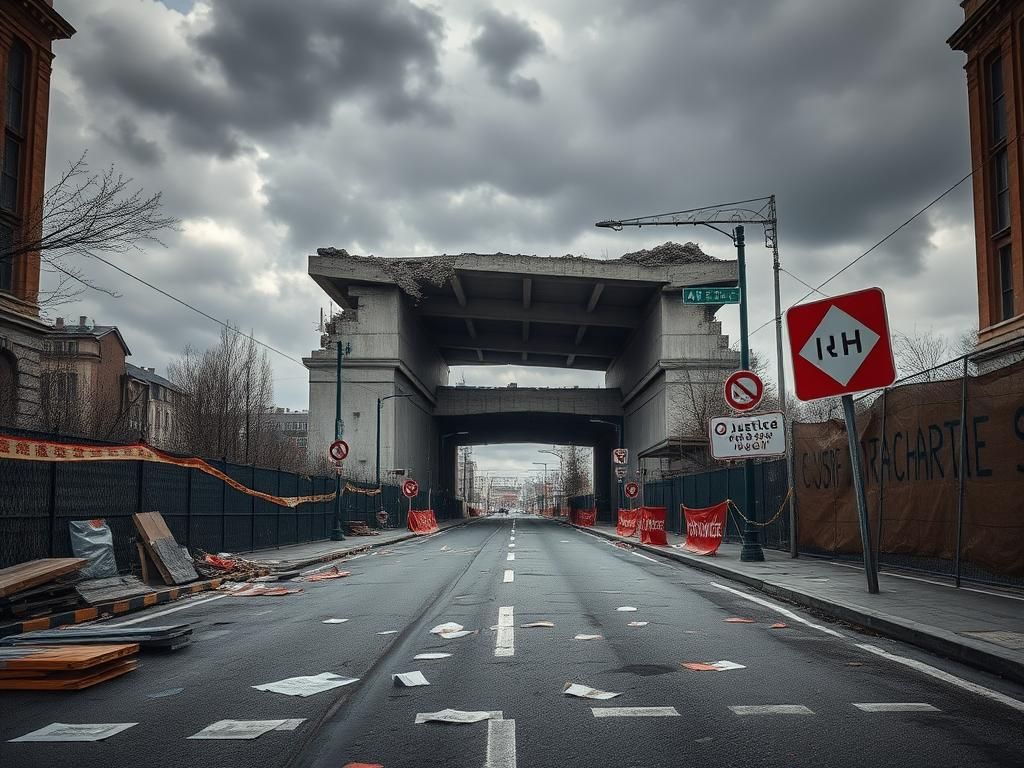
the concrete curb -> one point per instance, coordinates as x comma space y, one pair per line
82, 615
930, 638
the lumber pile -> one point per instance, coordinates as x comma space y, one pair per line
34, 588
359, 528
163, 638
172, 562
64, 668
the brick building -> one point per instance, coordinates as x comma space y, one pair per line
27, 31
991, 37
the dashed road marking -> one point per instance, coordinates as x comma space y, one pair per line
501, 744
927, 669
634, 711
778, 609
510, 576
892, 706
511, 556
771, 709
505, 644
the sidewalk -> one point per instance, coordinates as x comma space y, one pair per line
974, 625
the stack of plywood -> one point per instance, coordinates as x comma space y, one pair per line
64, 668
31, 589
158, 544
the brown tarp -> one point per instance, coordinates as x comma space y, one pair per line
912, 473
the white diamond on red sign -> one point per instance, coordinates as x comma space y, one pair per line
743, 390
839, 345
620, 455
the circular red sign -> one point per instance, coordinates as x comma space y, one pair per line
743, 390
338, 450
632, 490
411, 489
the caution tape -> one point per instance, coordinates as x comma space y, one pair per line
29, 449
349, 488
775, 517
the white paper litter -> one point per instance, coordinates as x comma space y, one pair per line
586, 692
457, 634
722, 666
388, 632
456, 716
637, 624
409, 679
430, 656
448, 626
626, 609
334, 621
238, 729
307, 685
589, 637
537, 624
75, 732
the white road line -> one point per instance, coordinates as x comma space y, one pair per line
501, 744
510, 576
896, 707
512, 537
772, 709
653, 560
927, 669
634, 711
511, 556
511, 545
778, 608
505, 644
182, 607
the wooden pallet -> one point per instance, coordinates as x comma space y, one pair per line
71, 681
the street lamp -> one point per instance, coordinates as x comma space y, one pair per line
380, 405
555, 453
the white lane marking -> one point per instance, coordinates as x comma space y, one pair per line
501, 744
892, 706
778, 608
511, 546
772, 709
511, 538
505, 644
927, 669
182, 607
511, 556
510, 576
634, 711
653, 560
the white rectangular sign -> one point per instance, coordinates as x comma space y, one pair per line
620, 455
620, 472
747, 437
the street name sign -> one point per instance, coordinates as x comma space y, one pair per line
747, 437
840, 345
632, 490
744, 390
711, 295
620, 455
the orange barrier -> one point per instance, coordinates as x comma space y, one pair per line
628, 521
584, 517
652, 526
704, 528
28, 449
422, 521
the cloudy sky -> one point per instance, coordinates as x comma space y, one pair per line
403, 128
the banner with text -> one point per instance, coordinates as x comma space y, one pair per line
422, 521
705, 527
652, 526
584, 517
628, 520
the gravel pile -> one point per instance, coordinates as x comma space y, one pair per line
667, 255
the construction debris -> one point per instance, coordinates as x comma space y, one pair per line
360, 528
163, 638
257, 590
64, 668
231, 567
96, 591
332, 573
170, 559
667, 255
31, 589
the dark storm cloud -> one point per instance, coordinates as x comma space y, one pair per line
262, 66
502, 45
126, 138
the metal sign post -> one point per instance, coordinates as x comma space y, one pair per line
870, 567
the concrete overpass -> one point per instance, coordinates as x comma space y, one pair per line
408, 320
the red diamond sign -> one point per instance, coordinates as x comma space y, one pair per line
840, 345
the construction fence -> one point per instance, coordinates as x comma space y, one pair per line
39, 498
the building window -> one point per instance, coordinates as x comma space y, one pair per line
997, 100
1006, 302
61, 387
14, 133
1001, 179
6, 259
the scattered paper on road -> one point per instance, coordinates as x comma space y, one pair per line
586, 692
533, 624
589, 637
75, 732
307, 685
712, 666
458, 634
334, 621
739, 621
626, 609
238, 729
333, 573
638, 624
456, 716
409, 679
388, 632
256, 590
779, 625
430, 656
448, 626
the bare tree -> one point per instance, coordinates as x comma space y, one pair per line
75, 405
920, 353
575, 478
84, 214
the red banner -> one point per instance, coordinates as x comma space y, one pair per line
628, 521
422, 521
705, 527
652, 526
585, 517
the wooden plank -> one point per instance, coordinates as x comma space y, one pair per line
64, 657
96, 591
146, 565
170, 556
36, 572
151, 526
75, 683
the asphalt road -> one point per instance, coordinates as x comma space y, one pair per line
817, 671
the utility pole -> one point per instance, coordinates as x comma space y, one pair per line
338, 534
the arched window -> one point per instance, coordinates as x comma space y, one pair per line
8, 388
13, 151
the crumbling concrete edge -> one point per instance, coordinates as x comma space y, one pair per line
924, 636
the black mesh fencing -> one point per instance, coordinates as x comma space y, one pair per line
38, 499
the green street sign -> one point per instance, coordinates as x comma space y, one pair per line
711, 295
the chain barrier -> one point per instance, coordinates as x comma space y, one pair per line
774, 517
